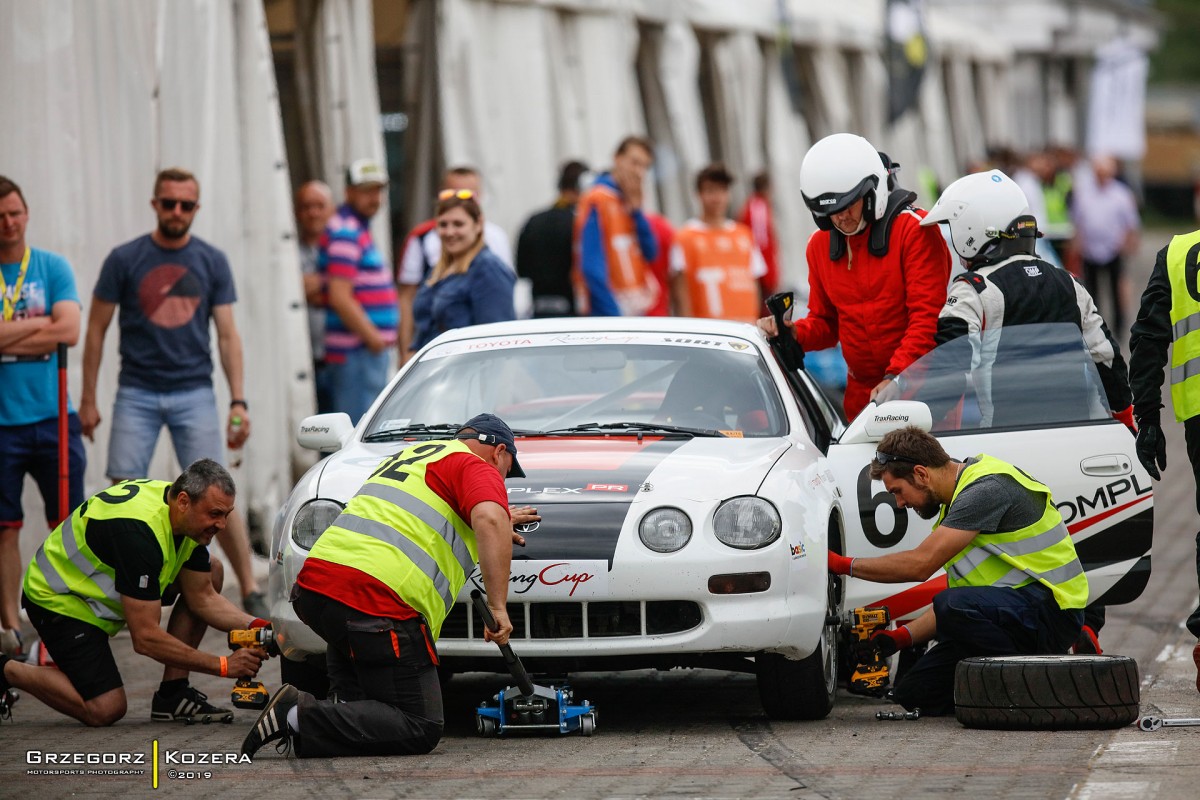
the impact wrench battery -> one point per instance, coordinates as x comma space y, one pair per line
249, 693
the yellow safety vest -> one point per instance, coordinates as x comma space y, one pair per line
1185, 324
1040, 552
66, 576
400, 532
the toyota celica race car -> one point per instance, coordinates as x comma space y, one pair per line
689, 487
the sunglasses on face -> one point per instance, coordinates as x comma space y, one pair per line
168, 204
461, 194
883, 459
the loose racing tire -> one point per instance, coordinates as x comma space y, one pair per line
307, 676
1047, 692
804, 689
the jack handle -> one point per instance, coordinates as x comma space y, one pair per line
515, 667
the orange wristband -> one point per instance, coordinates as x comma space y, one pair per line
224, 667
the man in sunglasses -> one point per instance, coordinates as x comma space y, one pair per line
170, 285
378, 585
1015, 585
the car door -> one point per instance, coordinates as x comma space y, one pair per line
1076, 448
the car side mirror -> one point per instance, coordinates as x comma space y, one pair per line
325, 432
876, 421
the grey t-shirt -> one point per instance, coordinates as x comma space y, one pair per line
309, 255
994, 504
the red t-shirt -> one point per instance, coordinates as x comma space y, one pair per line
463, 480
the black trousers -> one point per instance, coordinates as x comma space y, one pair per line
384, 694
1110, 271
984, 621
1191, 435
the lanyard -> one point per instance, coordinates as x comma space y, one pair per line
10, 301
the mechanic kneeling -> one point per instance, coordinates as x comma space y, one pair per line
110, 564
378, 585
1015, 584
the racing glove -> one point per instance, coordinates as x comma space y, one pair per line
259, 622
839, 564
1151, 447
888, 642
1126, 418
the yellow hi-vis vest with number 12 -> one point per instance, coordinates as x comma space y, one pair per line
1040, 552
1183, 268
67, 578
400, 532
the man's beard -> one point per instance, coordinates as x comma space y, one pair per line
174, 230
929, 507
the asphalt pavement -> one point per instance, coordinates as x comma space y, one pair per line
685, 733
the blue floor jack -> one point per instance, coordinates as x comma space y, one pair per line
526, 706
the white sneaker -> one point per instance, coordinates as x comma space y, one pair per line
10, 643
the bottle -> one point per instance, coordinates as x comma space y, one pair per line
233, 439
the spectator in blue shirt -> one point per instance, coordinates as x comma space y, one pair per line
469, 285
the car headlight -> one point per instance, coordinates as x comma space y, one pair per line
747, 523
312, 520
665, 530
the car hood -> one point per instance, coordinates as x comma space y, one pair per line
610, 469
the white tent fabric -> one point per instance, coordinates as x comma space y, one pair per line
1116, 117
337, 60
965, 119
738, 65
110, 94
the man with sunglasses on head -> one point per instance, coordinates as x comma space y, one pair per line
378, 585
1015, 585
169, 286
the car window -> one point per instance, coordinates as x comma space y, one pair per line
1015, 377
548, 382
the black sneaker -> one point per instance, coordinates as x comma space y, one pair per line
190, 706
8, 698
271, 724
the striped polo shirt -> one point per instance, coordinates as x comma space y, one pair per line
349, 252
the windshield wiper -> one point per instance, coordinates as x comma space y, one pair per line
393, 434
635, 428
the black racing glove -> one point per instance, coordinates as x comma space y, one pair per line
1151, 447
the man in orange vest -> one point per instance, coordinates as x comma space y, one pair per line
613, 240
715, 267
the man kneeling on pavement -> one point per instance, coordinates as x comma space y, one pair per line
1014, 583
115, 561
379, 583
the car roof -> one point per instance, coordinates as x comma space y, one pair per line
685, 326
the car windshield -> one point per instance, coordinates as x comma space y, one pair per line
635, 383
1019, 376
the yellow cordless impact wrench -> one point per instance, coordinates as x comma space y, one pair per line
248, 693
872, 675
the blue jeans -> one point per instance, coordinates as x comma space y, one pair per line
139, 414
355, 383
984, 621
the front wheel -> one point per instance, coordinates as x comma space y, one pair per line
804, 689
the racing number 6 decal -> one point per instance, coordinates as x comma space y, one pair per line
868, 503
1191, 266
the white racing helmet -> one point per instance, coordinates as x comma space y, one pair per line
839, 170
979, 209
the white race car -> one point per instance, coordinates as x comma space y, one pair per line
689, 487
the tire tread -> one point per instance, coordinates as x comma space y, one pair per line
1056, 693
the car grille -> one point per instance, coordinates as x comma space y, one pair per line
571, 620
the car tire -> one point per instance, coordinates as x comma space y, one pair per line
1047, 692
307, 676
804, 689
